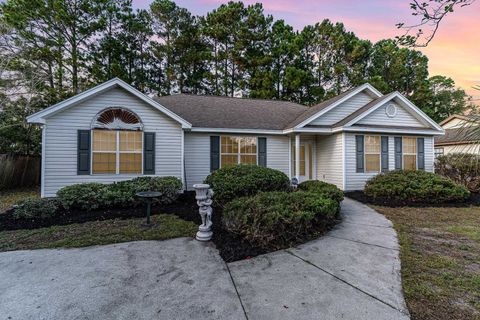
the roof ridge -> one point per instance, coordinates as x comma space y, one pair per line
228, 97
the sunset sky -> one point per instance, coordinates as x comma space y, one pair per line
454, 51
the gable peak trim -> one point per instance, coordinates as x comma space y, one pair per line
354, 92
39, 117
419, 114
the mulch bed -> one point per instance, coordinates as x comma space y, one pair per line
231, 246
474, 200
183, 206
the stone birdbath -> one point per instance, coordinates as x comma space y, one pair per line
147, 198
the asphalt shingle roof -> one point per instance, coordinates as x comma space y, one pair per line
241, 113
467, 134
228, 112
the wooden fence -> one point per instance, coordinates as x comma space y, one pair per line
18, 171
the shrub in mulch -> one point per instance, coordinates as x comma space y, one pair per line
93, 196
408, 186
47, 212
245, 180
473, 200
275, 220
321, 187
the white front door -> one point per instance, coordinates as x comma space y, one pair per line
306, 163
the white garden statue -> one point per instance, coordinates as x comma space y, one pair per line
204, 200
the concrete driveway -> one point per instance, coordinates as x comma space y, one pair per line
352, 273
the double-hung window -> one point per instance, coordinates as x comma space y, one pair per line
116, 152
372, 153
409, 153
236, 150
438, 152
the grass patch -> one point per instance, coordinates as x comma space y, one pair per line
440, 255
10, 197
466, 231
97, 233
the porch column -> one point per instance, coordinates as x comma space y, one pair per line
297, 156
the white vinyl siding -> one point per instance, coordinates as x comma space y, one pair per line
343, 110
356, 180
61, 140
197, 155
456, 123
329, 155
197, 158
403, 118
461, 148
277, 153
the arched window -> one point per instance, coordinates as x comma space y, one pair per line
117, 142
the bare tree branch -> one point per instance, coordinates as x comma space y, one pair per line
432, 13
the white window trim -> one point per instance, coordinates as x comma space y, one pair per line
410, 154
365, 153
238, 153
117, 155
435, 154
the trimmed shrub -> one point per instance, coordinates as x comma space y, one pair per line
245, 180
92, 196
278, 219
323, 188
415, 187
462, 168
83, 196
44, 208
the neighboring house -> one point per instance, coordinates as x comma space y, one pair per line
113, 132
462, 135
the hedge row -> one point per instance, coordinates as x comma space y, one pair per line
94, 196
415, 187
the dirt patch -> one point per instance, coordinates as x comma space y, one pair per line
360, 196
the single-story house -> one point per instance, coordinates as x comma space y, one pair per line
113, 132
462, 135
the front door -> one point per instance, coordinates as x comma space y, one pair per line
306, 156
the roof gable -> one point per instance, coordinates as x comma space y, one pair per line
40, 116
322, 108
411, 115
458, 120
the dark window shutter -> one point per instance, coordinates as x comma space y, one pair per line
360, 153
398, 153
421, 153
83, 152
214, 153
262, 152
149, 153
384, 154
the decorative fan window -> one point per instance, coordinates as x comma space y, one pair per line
117, 143
117, 119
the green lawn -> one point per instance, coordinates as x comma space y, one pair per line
440, 254
10, 197
97, 233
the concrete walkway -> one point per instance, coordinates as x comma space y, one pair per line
352, 273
